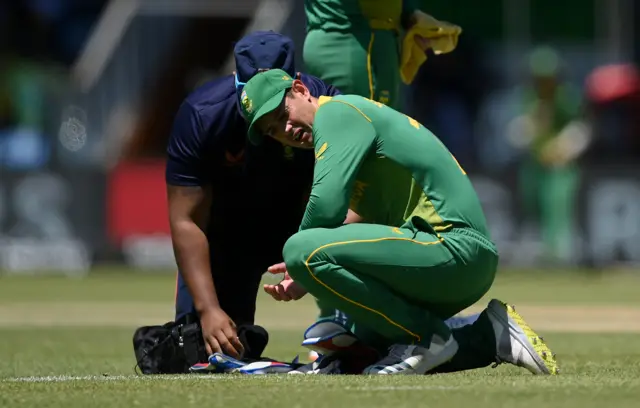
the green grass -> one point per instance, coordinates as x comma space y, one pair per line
64, 334
597, 371
548, 287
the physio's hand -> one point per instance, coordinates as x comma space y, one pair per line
287, 289
219, 333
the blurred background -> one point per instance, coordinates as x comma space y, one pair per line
540, 103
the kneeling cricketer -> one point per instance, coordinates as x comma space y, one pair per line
423, 252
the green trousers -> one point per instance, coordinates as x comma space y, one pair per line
549, 195
399, 283
363, 62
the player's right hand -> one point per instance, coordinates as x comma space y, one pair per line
287, 289
219, 333
277, 268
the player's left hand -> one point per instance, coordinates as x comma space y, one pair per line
287, 289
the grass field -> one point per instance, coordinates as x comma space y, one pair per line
67, 343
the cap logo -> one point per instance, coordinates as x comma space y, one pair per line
246, 102
286, 78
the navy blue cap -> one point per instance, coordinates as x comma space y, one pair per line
263, 50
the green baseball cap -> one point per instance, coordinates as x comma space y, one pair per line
261, 95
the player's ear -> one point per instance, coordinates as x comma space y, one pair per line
295, 86
299, 87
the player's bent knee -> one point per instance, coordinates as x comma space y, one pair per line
297, 251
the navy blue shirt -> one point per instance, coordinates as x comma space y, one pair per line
261, 189
209, 134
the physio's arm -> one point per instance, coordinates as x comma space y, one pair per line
188, 215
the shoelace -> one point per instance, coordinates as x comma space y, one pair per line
497, 362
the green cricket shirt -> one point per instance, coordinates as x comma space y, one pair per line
387, 167
342, 15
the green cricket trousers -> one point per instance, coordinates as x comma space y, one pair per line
363, 62
551, 193
400, 283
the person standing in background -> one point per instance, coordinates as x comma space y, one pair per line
366, 47
551, 131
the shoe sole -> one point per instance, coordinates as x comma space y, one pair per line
544, 358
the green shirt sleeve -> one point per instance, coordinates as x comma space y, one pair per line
343, 137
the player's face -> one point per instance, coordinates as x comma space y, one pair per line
291, 123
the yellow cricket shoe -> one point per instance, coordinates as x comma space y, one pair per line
517, 343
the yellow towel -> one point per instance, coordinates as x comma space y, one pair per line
443, 38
